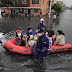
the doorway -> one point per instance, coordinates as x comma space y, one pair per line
29, 11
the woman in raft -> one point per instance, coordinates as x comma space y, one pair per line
19, 37
60, 40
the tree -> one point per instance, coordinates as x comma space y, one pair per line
9, 2
57, 7
15, 2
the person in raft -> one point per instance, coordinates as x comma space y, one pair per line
42, 46
50, 34
29, 37
60, 40
41, 24
44, 28
35, 36
19, 36
28, 34
29, 30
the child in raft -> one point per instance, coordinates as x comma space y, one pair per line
28, 35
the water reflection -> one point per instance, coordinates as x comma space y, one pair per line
11, 24
1, 18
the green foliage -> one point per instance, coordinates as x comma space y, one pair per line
57, 7
15, 2
7, 3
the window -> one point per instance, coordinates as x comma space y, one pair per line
35, 1
25, 10
36, 10
24, 1
49, 3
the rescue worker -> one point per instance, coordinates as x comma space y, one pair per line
41, 47
41, 24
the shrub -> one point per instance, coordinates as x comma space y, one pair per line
57, 7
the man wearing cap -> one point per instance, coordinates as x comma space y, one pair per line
42, 46
41, 24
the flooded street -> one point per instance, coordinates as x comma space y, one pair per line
52, 63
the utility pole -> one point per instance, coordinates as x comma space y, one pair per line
50, 8
50, 12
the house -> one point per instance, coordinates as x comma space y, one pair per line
35, 7
31, 7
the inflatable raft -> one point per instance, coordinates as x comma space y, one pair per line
17, 50
58, 49
25, 51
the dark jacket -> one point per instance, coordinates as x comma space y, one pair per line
50, 33
44, 46
40, 26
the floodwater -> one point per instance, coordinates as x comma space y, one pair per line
52, 63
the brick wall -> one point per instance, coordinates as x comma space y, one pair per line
44, 7
35, 5
25, 5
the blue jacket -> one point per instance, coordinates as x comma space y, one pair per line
31, 33
41, 25
45, 44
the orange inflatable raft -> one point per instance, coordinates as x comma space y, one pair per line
25, 51
17, 50
58, 49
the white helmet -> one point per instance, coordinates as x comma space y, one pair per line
41, 19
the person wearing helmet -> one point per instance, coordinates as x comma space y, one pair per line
41, 24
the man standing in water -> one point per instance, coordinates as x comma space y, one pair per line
42, 46
41, 24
